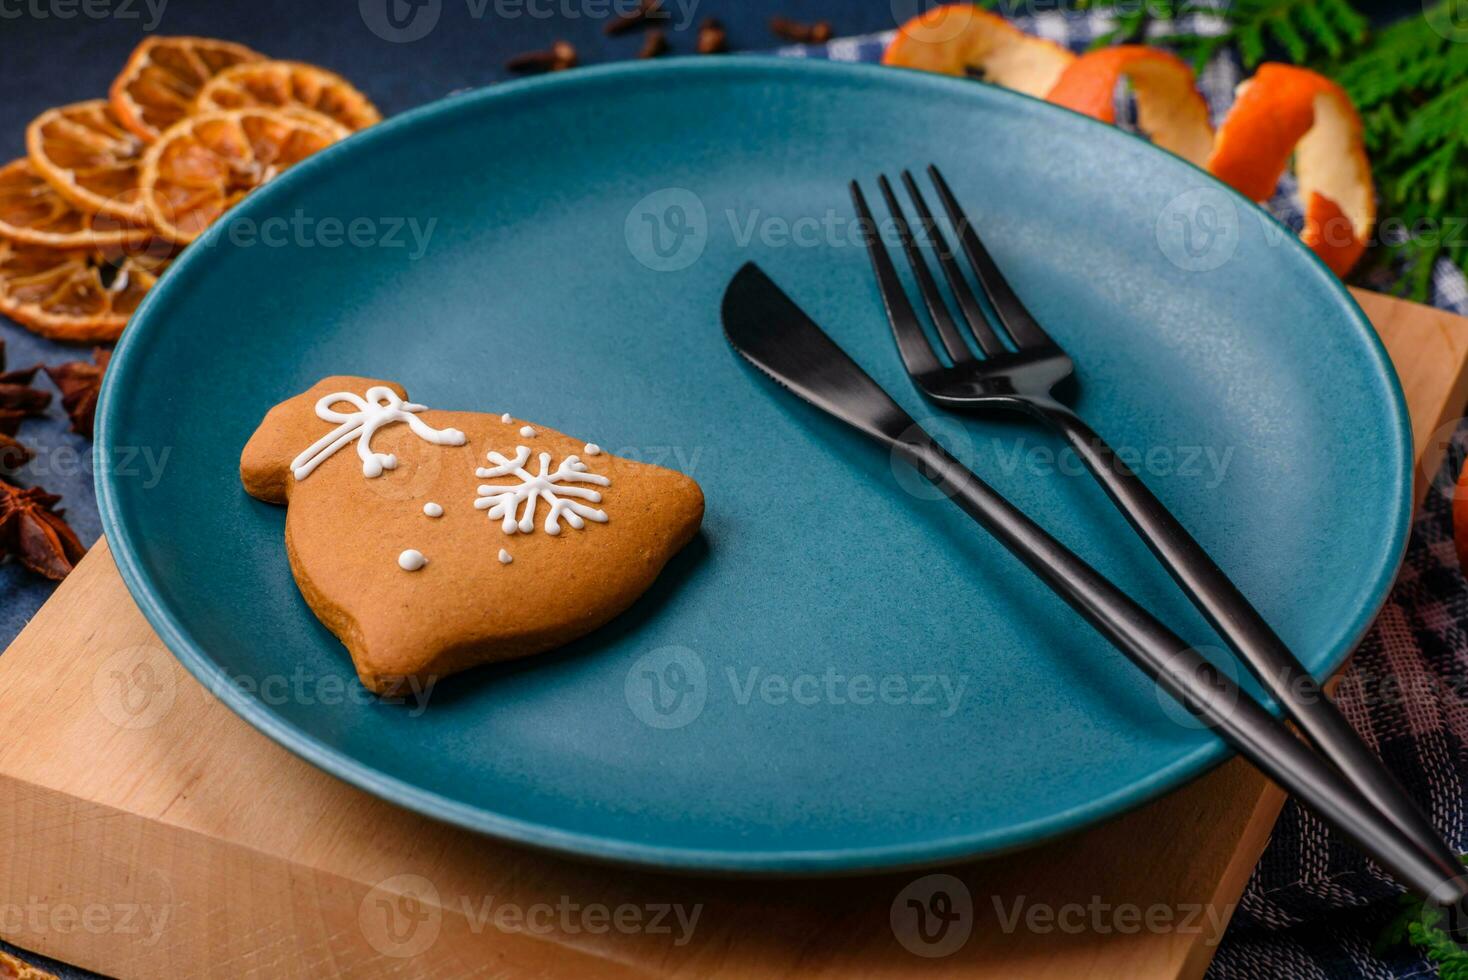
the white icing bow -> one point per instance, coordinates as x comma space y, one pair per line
382, 406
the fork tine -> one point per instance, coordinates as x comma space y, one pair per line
912, 343
937, 308
968, 304
1012, 314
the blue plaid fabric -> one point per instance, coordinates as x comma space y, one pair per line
1315, 907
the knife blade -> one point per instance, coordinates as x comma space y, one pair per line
767, 329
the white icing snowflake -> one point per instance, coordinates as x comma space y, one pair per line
502, 501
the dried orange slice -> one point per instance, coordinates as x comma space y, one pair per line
1284, 110
282, 84
73, 295
205, 164
1169, 108
31, 212
960, 38
85, 152
163, 76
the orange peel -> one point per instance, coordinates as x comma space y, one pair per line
1283, 111
958, 38
1170, 109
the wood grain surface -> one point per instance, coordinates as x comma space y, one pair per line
145, 831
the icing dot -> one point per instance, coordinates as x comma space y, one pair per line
411, 560
432, 509
527, 432
506, 417
505, 558
592, 449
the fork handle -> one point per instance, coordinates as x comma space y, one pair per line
1245, 630
1185, 675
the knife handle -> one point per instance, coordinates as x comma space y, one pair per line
1189, 678
1245, 630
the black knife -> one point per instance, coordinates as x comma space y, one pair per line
772, 333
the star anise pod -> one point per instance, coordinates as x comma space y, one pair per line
13, 454
18, 400
80, 383
33, 532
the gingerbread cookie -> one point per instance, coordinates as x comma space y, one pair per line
432, 541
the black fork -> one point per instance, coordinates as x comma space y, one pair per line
1023, 373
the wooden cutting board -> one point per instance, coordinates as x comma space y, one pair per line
145, 831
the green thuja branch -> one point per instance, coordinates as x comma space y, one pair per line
1411, 86
1302, 29
1423, 927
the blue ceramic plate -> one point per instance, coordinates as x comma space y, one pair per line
841, 672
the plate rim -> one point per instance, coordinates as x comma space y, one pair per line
127, 551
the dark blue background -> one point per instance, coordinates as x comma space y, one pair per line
48, 60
